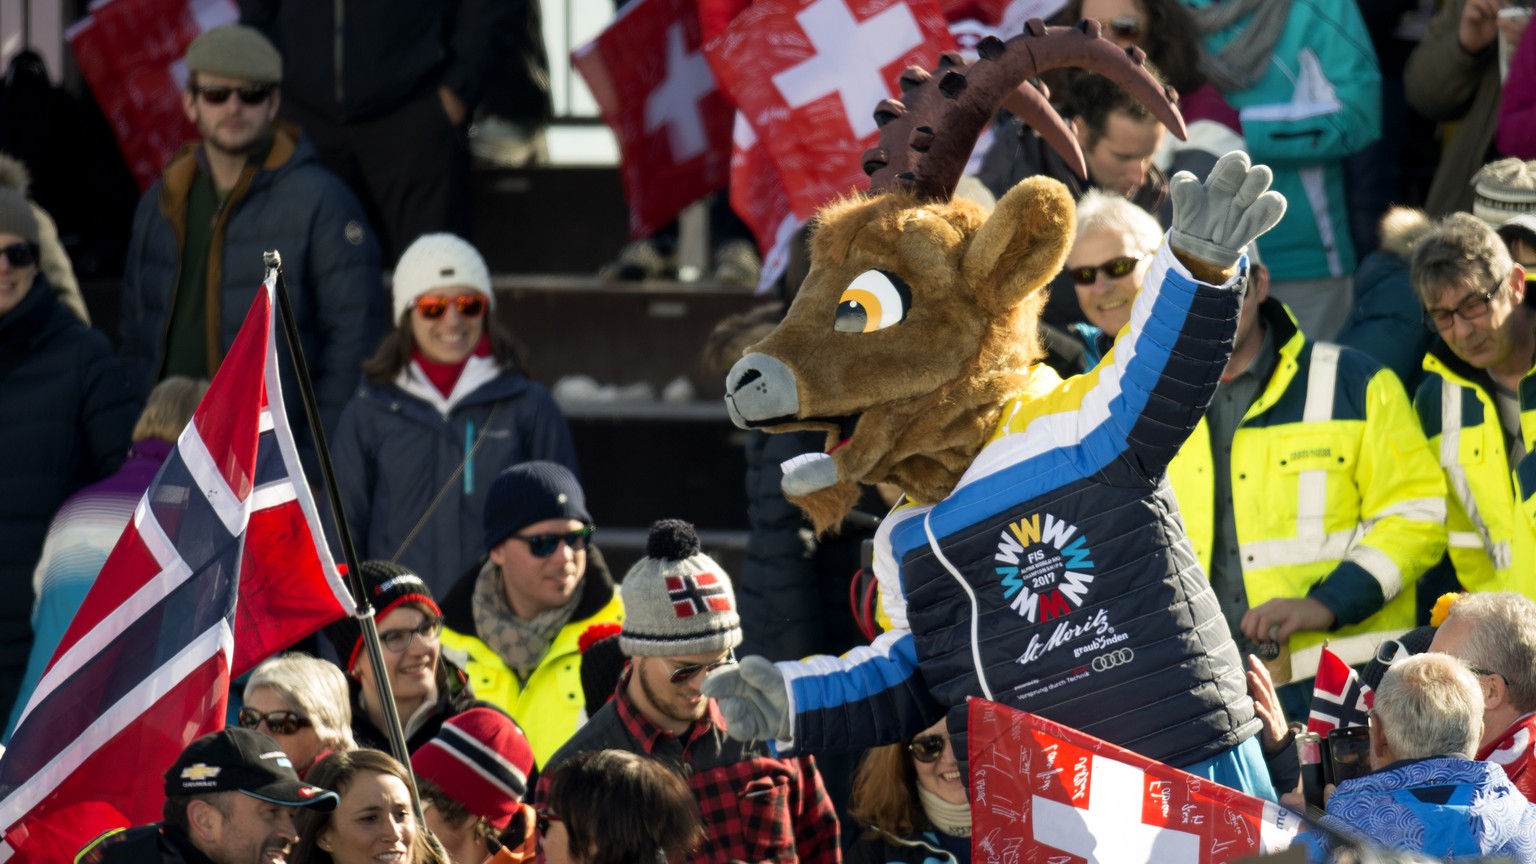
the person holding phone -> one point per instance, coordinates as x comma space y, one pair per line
1426, 793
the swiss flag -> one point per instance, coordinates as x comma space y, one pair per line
808, 75
1042, 792
654, 89
1339, 698
132, 53
973, 20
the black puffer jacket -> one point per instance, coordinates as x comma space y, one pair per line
66, 416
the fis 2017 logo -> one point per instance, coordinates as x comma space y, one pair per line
1045, 572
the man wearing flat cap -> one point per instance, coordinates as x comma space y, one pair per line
249, 185
229, 799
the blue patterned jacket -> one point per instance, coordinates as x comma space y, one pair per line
1447, 807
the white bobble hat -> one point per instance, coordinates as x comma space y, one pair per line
439, 261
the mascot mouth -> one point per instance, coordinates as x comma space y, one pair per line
809, 472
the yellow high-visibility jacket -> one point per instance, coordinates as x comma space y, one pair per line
1337, 496
1489, 516
551, 705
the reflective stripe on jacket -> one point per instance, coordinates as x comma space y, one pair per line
1489, 515
1335, 492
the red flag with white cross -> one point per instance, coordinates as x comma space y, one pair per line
655, 90
758, 197
1043, 792
808, 75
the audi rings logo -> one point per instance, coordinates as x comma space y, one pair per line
1106, 662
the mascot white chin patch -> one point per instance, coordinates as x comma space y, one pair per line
807, 473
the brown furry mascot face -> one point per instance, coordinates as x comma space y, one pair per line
916, 323
918, 320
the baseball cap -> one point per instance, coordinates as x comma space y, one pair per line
241, 760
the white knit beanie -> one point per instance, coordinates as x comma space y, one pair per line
439, 261
677, 600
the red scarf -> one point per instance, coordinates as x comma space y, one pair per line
445, 375
1513, 751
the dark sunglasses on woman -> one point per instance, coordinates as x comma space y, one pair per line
927, 748
471, 305
21, 254
1114, 268
278, 722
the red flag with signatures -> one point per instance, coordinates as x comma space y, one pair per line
654, 89
808, 75
1044, 793
132, 54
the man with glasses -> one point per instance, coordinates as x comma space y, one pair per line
514, 623
1477, 403
1308, 496
1495, 635
249, 185
681, 624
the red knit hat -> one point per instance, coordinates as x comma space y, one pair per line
481, 759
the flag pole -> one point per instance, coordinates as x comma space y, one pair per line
274, 265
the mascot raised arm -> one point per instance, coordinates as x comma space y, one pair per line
1038, 559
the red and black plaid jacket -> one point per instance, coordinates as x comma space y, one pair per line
756, 806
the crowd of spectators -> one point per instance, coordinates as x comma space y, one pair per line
1368, 448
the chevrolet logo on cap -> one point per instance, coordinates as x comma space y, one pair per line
199, 771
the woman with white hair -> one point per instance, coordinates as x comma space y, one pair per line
1109, 258
301, 702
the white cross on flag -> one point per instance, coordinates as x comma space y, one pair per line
808, 75
654, 89
1044, 793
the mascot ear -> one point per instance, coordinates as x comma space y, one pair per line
1022, 245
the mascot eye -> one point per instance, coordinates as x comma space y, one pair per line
874, 301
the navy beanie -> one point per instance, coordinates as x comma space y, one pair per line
531, 492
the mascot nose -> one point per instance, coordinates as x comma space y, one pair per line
760, 391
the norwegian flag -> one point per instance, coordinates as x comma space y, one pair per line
1339, 698
654, 89
1043, 793
221, 565
808, 75
132, 54
697, 593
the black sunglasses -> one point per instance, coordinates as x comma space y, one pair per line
927, 748
255, 94
278, 722
1114, 268
685, 673
544, 545
399, 640
21, 254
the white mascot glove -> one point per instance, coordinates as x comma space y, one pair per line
752, 698
1215, 221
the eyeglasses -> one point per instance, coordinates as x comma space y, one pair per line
255, 94
686, 673
1114, 268
471, 305
278, 722
927, 748
1127, 27
21, 254
544, 817
545, 545
399, 640
1473, 308
1481, 672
